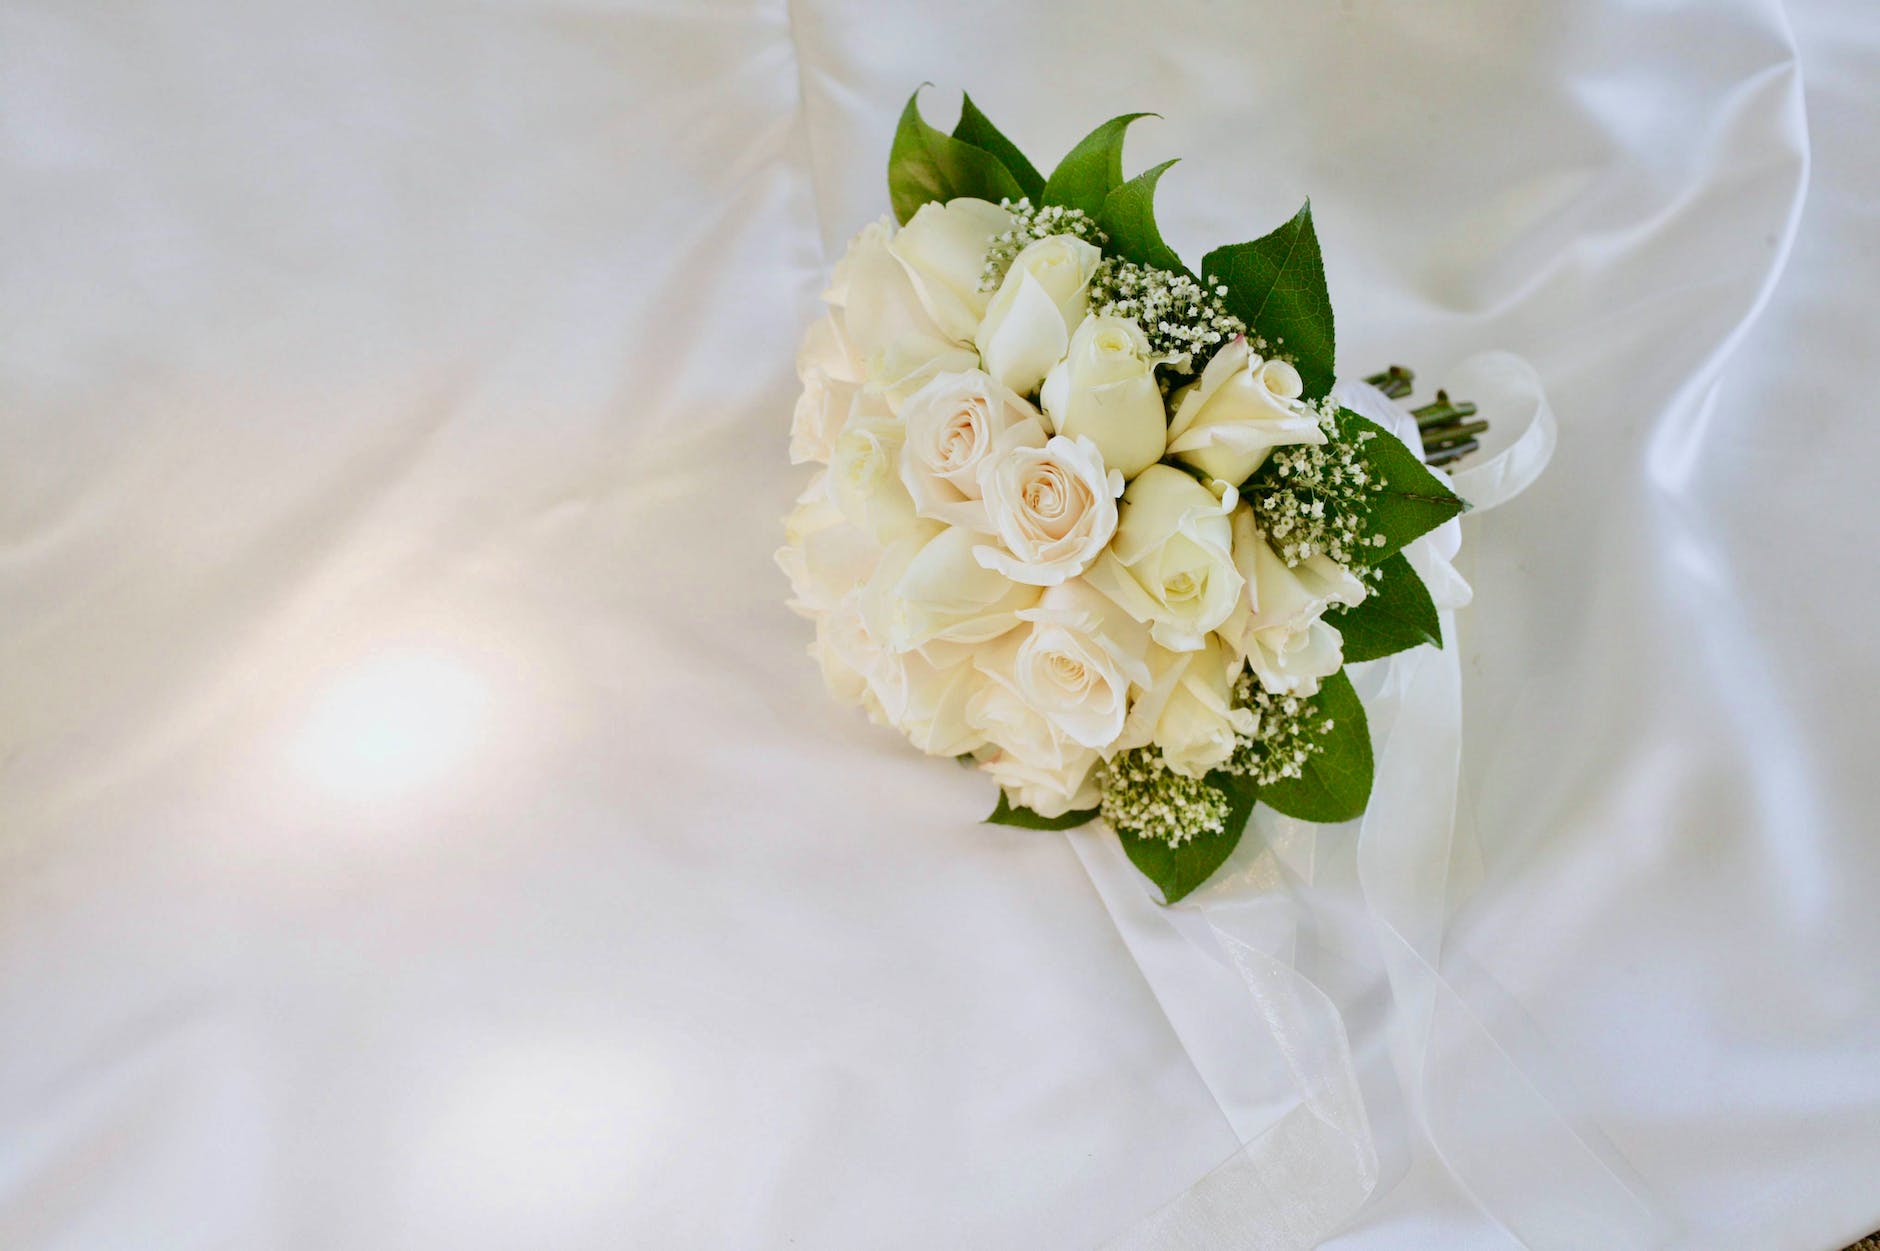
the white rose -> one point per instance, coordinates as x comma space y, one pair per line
906, 367
849, 654
927, 702
1105, 390
865, 476
1241, 408
939, 594
831, 375
836, 293
888, 327
1187, 710
1053, 508
1002, 716
1046, 790
924, 700
1277, 626
943, 250
1074, 663
1172, 562
1028, 322
956, 424
923, 696
824, 554
1037, 765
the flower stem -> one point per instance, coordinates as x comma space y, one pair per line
1437, 440
1396, 382
1442, 412
1452, 454
1447, 433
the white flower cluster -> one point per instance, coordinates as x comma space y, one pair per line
1030, 224
1289, 733
1184, 321
1017, 547
1143, 795
1315, 500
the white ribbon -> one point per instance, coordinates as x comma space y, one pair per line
1284, 1073
1504, 388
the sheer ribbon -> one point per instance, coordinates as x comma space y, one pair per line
1252, 968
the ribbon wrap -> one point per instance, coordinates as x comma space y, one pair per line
1308, 936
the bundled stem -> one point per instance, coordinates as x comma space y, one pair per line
1396, 382
1447, 433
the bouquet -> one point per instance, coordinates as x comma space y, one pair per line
1095, 523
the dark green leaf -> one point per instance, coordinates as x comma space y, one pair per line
1008, 813
927, 165
1336, 783
1178, 870
1397, 615
977, 129
1412, 502
1276, 285
1128, 217
1093, 169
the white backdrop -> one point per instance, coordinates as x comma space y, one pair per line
419, 825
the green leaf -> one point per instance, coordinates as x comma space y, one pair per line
1397, 615
977, 129
1413, 502
1178, 870
927, 165
1336, 781
1093, 169
1276, 285
1008, 813
1128, 217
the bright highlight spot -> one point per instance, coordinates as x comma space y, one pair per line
398, 723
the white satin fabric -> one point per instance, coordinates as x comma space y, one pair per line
1374, 922
419, 825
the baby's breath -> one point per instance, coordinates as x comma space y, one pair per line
1145, 798
1185, 322
1286, 737
1315, 499
1030, 224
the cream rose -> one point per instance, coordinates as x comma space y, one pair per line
937, 593
824, 554
1278, 627
927, 702
1029, 319
851, 654
1038, 766
1048, 790
956, 424
1172, 562
1052, 507
865, 476
1105, 391
943, 250
1240, 409
889, 329
1187, 710
831, 375
1074, 663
